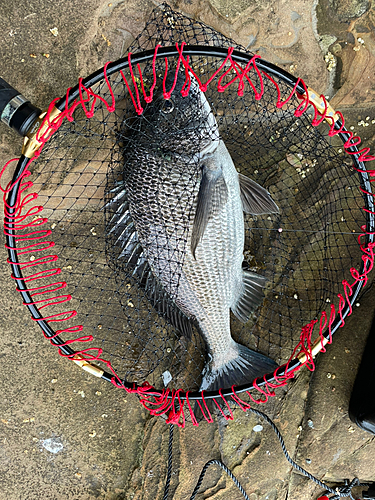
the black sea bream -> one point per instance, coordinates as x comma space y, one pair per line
179, 222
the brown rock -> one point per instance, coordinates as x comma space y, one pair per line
346, 10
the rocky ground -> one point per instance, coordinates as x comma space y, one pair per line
65, 435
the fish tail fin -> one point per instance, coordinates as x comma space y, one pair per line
239, 370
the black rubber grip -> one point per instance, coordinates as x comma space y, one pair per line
20, 114
7, 92
24, 118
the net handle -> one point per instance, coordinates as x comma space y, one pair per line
15, 110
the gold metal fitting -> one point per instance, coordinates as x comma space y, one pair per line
315, 98
30, 143
316, 347
88, 367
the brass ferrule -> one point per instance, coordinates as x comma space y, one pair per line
315, 98
316, 347
88, 367
30, 143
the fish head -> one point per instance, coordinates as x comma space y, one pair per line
181, 124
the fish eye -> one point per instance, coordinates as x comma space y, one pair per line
167, 107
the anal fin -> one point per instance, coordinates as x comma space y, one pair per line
251, 295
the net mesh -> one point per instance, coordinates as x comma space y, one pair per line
98, 177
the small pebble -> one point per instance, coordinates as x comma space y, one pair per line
54, 31
167, 377
53, 381
53, 445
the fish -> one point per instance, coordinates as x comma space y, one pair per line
178, 220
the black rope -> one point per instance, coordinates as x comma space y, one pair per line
225, 468
338, 492
169, 472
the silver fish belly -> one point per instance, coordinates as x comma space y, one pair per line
215, 274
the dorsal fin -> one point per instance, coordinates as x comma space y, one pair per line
134, 260
165, 306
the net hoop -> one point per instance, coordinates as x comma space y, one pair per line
159, 402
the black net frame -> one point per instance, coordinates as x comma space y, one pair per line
219, 53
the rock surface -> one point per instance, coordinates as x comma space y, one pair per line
65, 435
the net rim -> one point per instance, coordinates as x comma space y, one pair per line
171, 51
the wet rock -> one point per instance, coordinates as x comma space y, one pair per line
232, 9
346, 10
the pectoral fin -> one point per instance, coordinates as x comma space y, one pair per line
212, 195
255, 199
